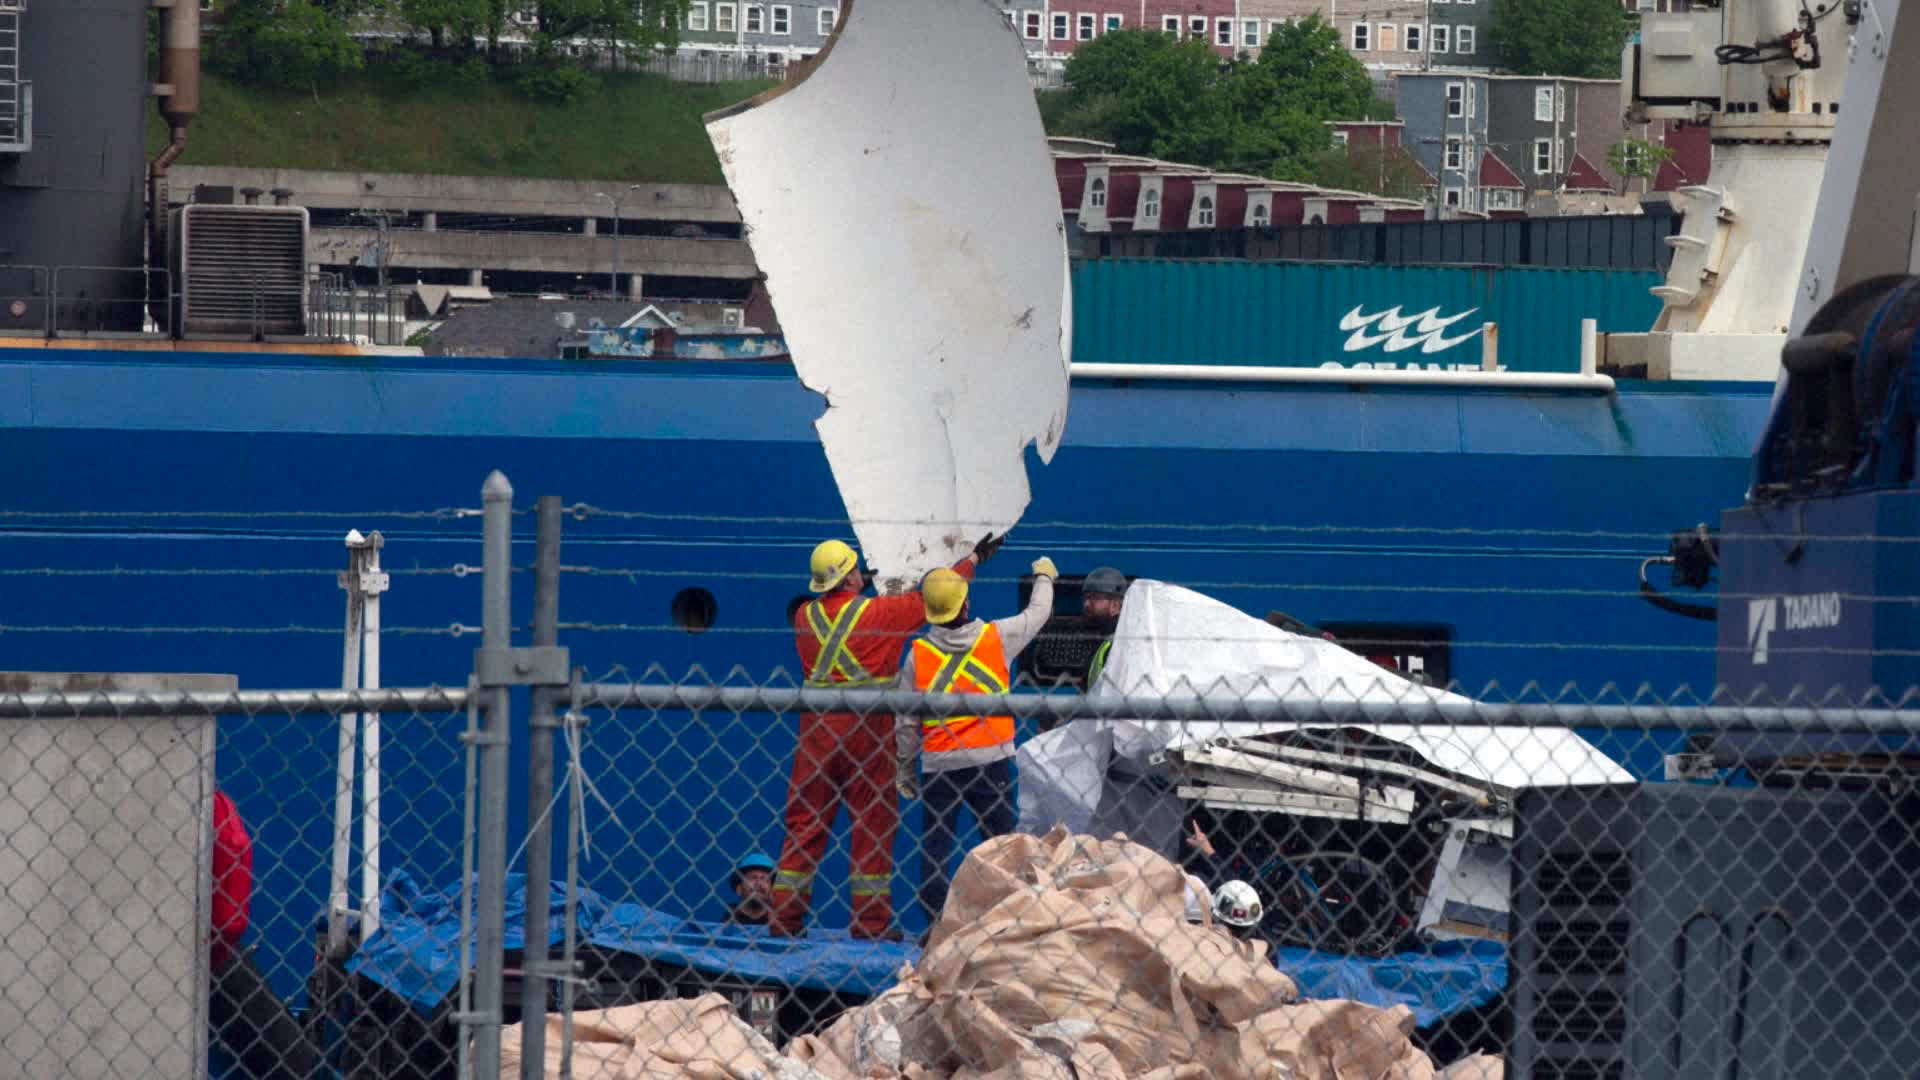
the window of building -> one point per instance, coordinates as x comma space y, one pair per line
1631, 158
823, 20
756, 17
1223, 32
1456, 153
1261, 215
697, 15
1439, 38
1115, 22
1386, 37
1060, 26
782, 19
1097, 193
1362, 40
1340, 138
1543, 103
1250, 33
1273, 28
1413, 37
1453, 196
1033, 26
1171, 24
1456, 92
1463, 41
1086, 27
1197, 27
1205, 208
1150, 203
1543, 156
723, 18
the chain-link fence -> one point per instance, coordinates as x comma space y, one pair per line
1248, 850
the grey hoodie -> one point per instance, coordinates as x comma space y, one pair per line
1015, 633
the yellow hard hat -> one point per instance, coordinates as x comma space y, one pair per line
944, 593
833, 560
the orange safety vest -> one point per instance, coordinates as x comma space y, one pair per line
980, 670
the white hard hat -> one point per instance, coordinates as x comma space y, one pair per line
1198, 899
1236, 904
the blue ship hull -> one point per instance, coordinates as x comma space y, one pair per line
1515, 519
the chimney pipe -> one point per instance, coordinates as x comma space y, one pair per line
282, 196
179, 94
251, 194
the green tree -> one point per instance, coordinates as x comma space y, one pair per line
1378, 170
1637, 159
1578, 38
287, 44
614, 25
1145, 92
1150, 93
459, 21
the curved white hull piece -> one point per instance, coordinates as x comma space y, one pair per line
901, 201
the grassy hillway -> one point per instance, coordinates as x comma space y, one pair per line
636, 128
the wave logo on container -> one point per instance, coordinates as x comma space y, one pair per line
1401, 332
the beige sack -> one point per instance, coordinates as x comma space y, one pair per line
701, 1038
1069, 956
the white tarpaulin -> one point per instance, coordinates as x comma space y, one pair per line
1176, 642
902, 203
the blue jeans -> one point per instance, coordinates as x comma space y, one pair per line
987, 791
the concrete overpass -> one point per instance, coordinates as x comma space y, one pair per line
480, 224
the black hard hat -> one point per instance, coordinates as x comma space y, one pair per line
1106, 580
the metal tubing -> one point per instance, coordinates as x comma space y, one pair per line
496, 632
546, 631
1506, 380
344, 757
370, 743
1194, 708
327, 703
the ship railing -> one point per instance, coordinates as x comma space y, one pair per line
338, 310
98, 302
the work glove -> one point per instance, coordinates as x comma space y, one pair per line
987, 545
907, 783
1043, 567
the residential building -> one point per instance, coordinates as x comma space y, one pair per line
1387, 35
787, 31
1260, 18
1217, 22
1458, 34
1537, 127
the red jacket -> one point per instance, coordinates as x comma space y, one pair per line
881, 637
232, 879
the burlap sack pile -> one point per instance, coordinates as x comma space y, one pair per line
700, 1038
1066, 956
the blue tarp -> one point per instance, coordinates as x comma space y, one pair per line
1444, 979
414, 953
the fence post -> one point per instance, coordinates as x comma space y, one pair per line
540, 733
496, 638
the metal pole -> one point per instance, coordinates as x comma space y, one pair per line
496, 633
613, 285
371, 584
337, 892
546, 631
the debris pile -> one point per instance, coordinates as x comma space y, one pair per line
1057, 956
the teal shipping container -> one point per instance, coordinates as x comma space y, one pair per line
1282, 314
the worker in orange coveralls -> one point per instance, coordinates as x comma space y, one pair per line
848, 640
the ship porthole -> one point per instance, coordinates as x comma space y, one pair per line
695, 610
794, 605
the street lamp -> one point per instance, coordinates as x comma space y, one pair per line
613, 280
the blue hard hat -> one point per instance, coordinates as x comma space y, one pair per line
756, 861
